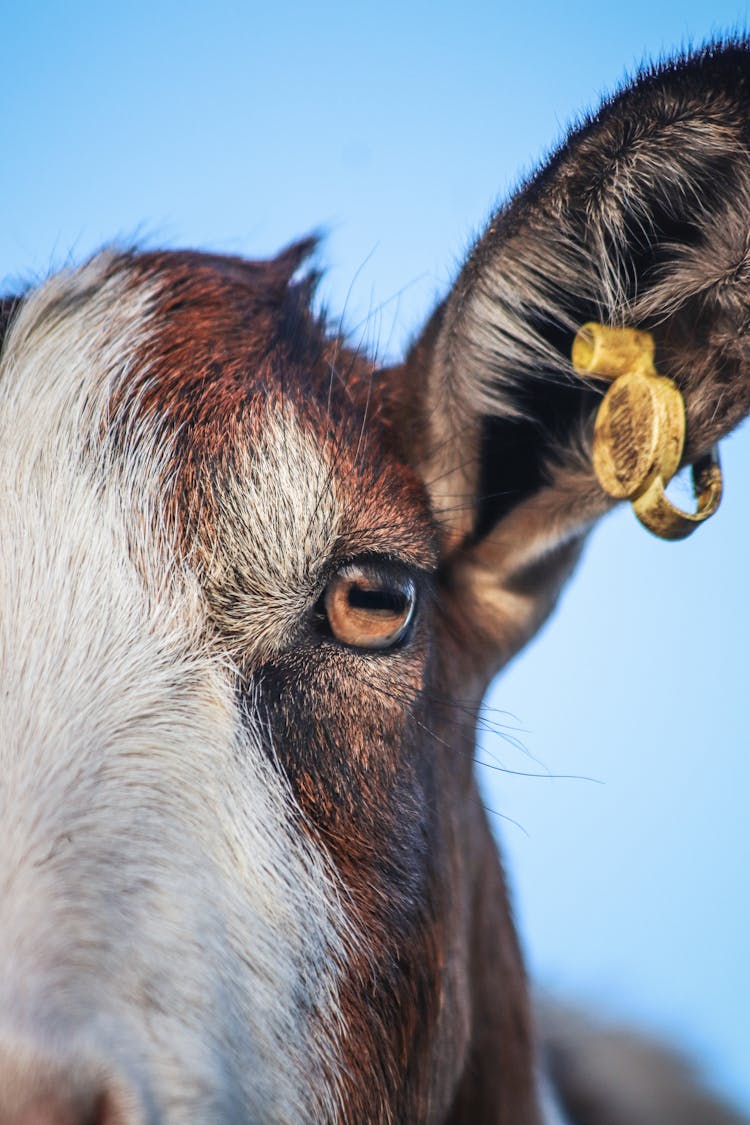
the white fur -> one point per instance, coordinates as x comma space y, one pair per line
165, 920
274, 532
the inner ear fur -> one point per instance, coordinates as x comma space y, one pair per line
641, 217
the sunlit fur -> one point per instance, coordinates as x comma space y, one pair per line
164, 920
273, 534
246, 872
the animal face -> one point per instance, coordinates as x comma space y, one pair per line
251, 592
243, 750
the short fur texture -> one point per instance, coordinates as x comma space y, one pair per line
157, 799
246, 875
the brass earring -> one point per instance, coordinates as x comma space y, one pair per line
639, 433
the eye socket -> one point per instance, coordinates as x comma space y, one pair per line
369, 606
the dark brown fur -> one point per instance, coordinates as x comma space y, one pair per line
472, 463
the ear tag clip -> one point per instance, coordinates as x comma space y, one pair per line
639, 433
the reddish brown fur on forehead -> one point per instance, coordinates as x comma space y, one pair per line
229, 330
229, 339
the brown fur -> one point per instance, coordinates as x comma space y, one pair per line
372, 781
471, 464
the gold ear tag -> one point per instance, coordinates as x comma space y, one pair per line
639, 433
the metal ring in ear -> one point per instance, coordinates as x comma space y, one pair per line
639, 433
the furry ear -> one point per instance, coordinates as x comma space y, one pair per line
641, 218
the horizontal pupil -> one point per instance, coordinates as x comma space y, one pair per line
378, 600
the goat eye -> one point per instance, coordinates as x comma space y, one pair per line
369, 607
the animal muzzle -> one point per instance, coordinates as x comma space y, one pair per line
41, 1087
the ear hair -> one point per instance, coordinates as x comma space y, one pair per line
642, 218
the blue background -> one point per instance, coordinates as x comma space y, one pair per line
396, 127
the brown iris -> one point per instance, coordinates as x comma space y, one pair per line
369, 606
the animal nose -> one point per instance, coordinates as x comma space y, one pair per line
33, 1092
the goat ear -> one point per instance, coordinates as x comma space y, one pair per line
641, 218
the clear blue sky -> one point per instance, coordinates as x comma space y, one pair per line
396, 126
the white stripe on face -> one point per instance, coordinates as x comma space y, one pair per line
162, 912
273, 534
